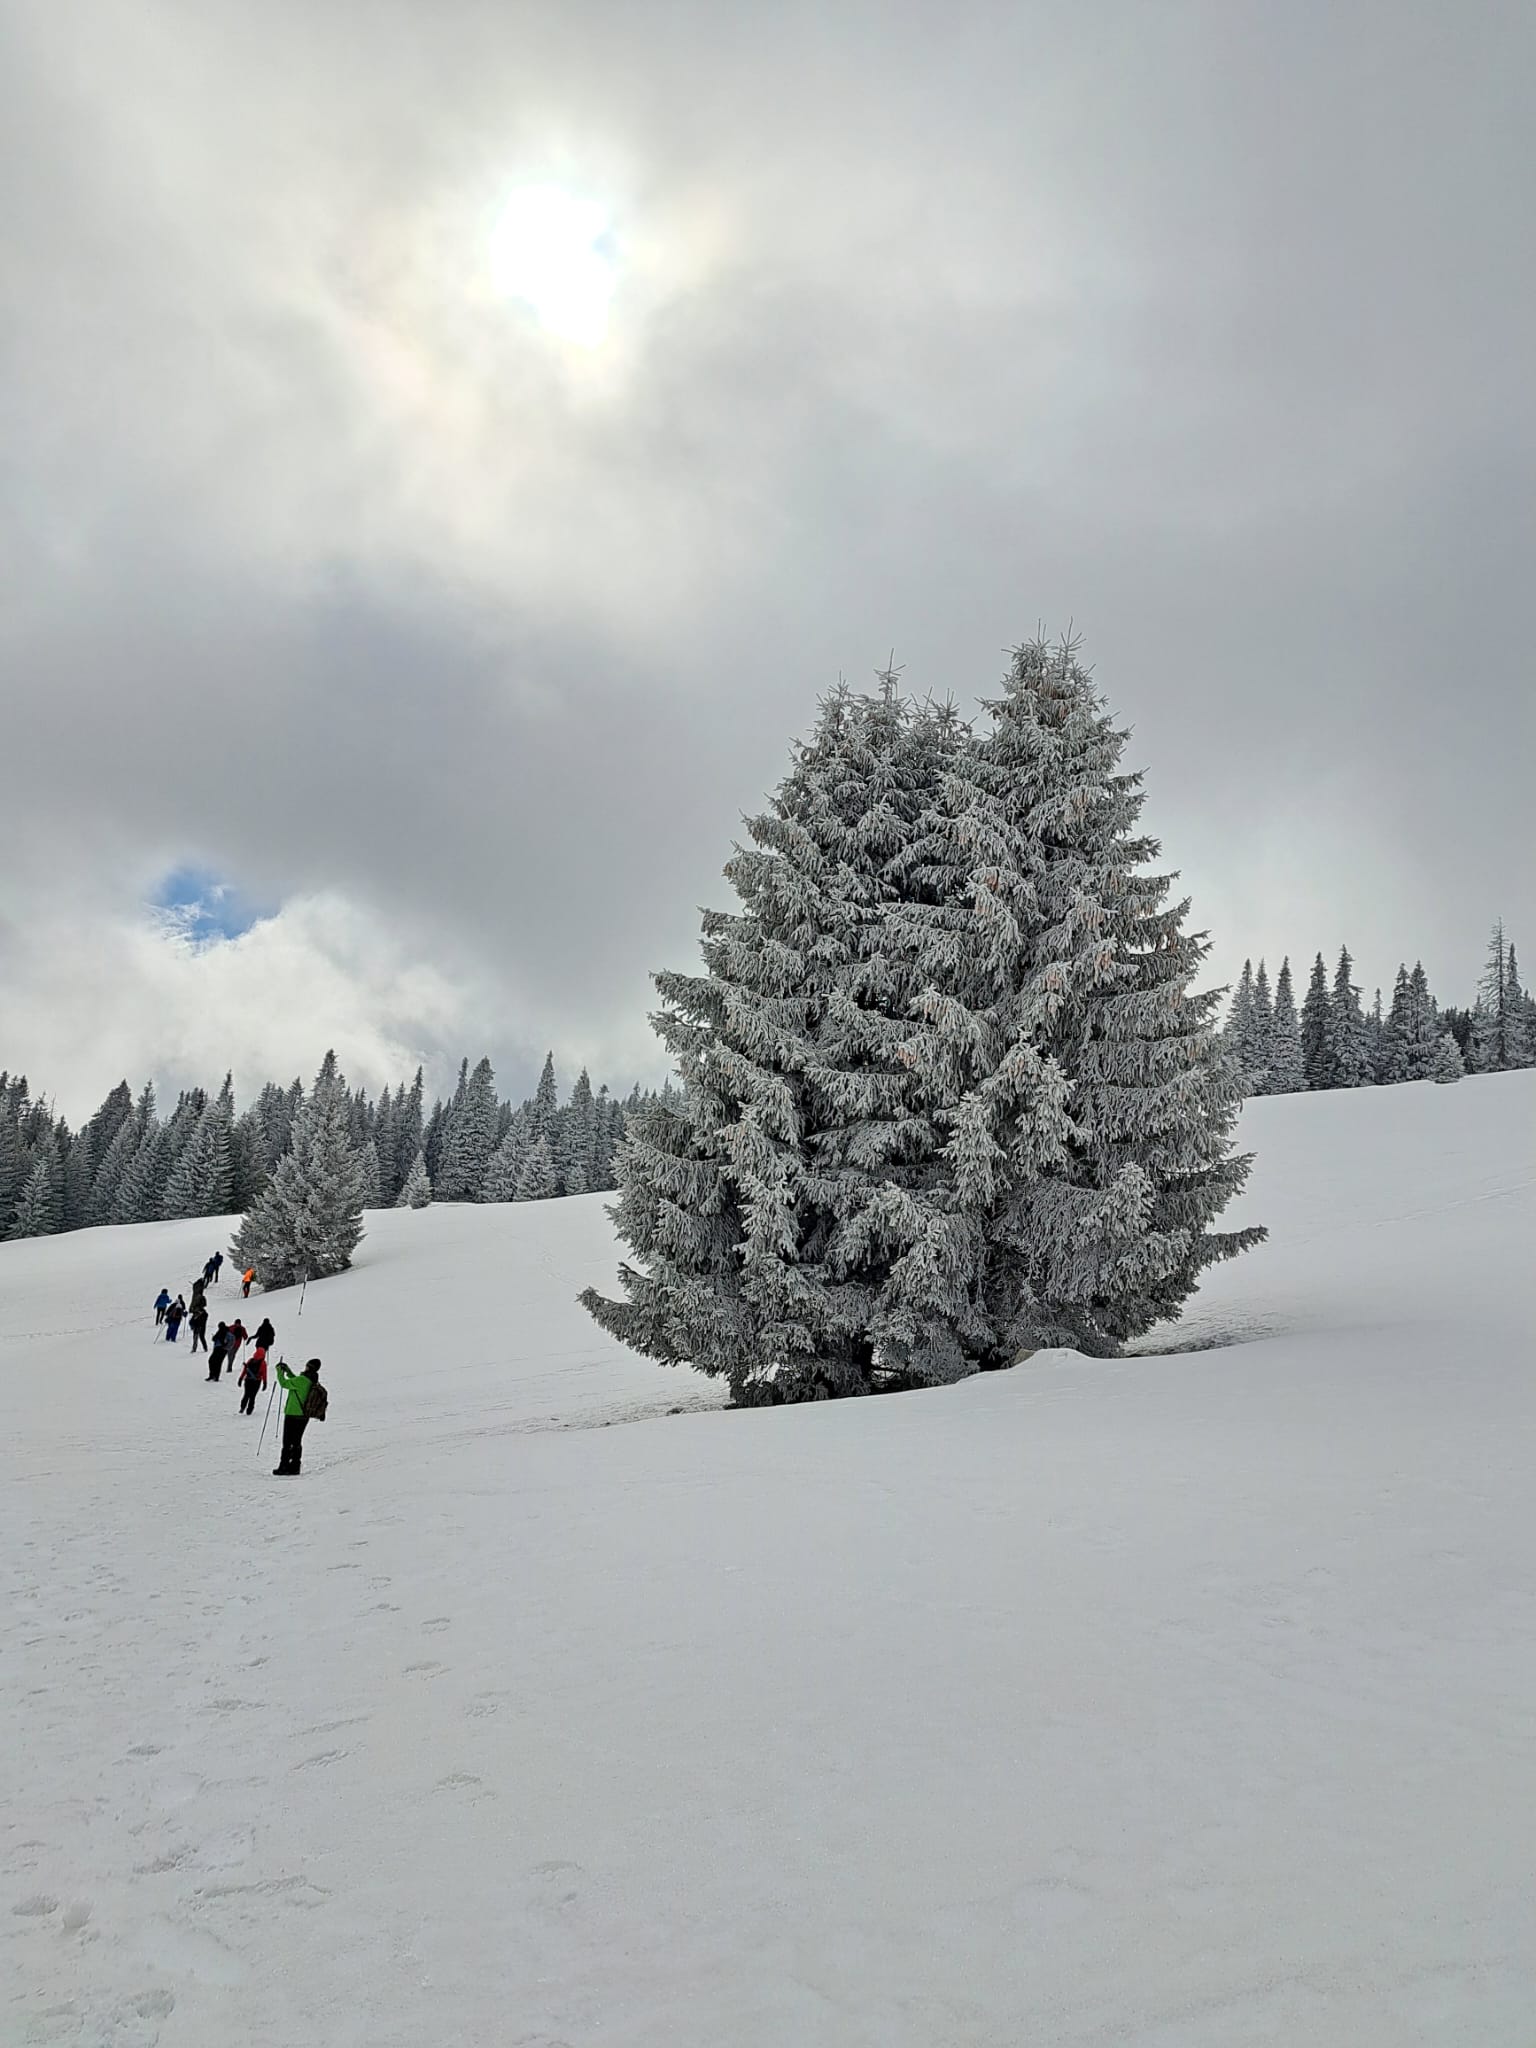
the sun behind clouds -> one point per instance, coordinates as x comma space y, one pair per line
554, 251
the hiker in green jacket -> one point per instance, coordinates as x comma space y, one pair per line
306, 1398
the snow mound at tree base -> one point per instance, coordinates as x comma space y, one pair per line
1175, 1700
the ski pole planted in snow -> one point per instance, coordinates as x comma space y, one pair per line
267, 1417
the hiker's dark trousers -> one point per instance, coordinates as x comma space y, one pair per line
293, 1442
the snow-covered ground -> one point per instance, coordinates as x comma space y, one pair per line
1187, 1701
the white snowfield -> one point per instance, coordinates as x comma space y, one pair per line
1187, 1701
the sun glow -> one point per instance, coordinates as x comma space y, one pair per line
555, 253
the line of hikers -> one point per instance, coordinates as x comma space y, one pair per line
306, 1400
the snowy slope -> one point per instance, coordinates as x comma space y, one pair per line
1183, 1701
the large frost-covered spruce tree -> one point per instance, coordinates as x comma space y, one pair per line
946, 1092
308, 1221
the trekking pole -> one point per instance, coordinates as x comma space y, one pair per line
266, 1418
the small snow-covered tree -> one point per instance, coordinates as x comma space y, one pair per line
368, 1162
49, 1155
1318, 1065
576, 1139
1263, 1034
1375, 1040
202, 1180
1239, 1034
109, 1174
416, 1188
1286, 1076
385, 1149
470, 1137
1412, 1032
608, 1123
309, 1220
13, 1170
79, 1173
36, 1211
1500, 1019
544, 1109
409, 1130
536, 1180
1348, 1034
505, 1170
143, 1182
1448, 1063
1521, 1037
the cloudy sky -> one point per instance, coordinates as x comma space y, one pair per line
401, 599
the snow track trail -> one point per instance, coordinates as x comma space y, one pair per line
1182, 1701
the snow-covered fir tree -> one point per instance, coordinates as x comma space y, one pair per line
1263, 1034
1375, 1039
416, 1188
946, 1093
576, 1139
1411, 1035
1318, 1066
143, 1182
201, 1182
109, 1175
409, 1128
309, 1221
385, 1148
536, 1181
1348, 1034
747, 1197
13, 1168
368, 1163
1241, 1033
1103, 1217
469, 1137
36, 1212
77, 1177
1285, 1070
544, 1109
1448, 1063
1502, 1036
505, 1170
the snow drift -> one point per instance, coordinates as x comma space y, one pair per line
1182, 1701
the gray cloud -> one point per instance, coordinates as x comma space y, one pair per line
1206, 326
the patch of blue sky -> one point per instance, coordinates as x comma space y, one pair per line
201, 906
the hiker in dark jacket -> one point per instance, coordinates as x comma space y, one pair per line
197, 1323
300, 1387
220, 1351
173, 1316
162, 1303
265, 1335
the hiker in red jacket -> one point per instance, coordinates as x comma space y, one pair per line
253, 1377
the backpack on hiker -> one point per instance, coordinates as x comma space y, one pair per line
316, 1401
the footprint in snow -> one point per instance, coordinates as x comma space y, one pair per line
425, 1669
326, 1756
438, 1621
36, 1906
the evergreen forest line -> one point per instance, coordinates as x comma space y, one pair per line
128, 1164
1333, 1041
